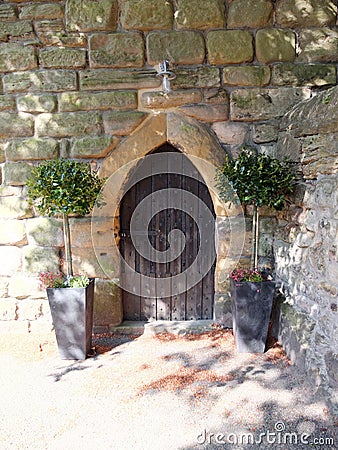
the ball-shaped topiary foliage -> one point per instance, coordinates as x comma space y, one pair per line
257, 178
63, 186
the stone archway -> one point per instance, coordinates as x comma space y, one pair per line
201, 146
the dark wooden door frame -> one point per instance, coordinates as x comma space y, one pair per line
198, 301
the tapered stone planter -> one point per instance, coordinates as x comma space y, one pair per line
72, 315
251, 311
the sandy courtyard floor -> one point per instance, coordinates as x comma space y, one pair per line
156, 392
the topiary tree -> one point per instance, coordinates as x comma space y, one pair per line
259, 180
63, 187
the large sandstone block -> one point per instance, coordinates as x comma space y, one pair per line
303, 74
108, 308
318, 45
85, 261
250, 13
12, 256
92, 146
308, 13
16, 125
116, 50
103, 79
122, 123
16, 173
274, 45
31, 149
77, 101
45, 81
147, 15
264, 104
12, 232
41, 11
8, 309
7, 102
265, 132
231, 133
246, 75
320, 156
21, 286
86, 15
179, 47
157, 100
13, 207
206, 112
8, 12
36, 103
45, 231
56, 57
229, 47
16, 57
200, 14
199, 77
68, 124
38, 259
17, 28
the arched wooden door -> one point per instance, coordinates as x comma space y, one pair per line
185, 205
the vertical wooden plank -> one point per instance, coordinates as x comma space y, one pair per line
208, 225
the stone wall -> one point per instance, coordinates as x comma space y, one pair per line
77, 78
306, 245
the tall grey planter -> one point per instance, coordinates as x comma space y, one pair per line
251, 311
72, 315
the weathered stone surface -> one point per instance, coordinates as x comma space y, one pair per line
274, 45
13, 207
12, 256
265, 133
246, 75
31, 149
264, 104
20, 287
108, 304
85, 261
16, 125
159, 100
8, 309
40, 259
231, 133
201, 14
116, 50
92, 146
122, 123
12, 232
323, 105
77, 101
229, 47
250, 13
16, 173
207, 113
16, 28
308, 13
103, 79
8, 12
196, 77
50, 37
41, 11
36, 103
47, 80
303, 75
7, 102
320, 155
44, 231
179, 47
68, 124
147, 15
16, 57
86, 15
318, 45
62, 57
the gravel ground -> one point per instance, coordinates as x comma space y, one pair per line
156, 392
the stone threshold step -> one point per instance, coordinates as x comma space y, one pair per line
177, 327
